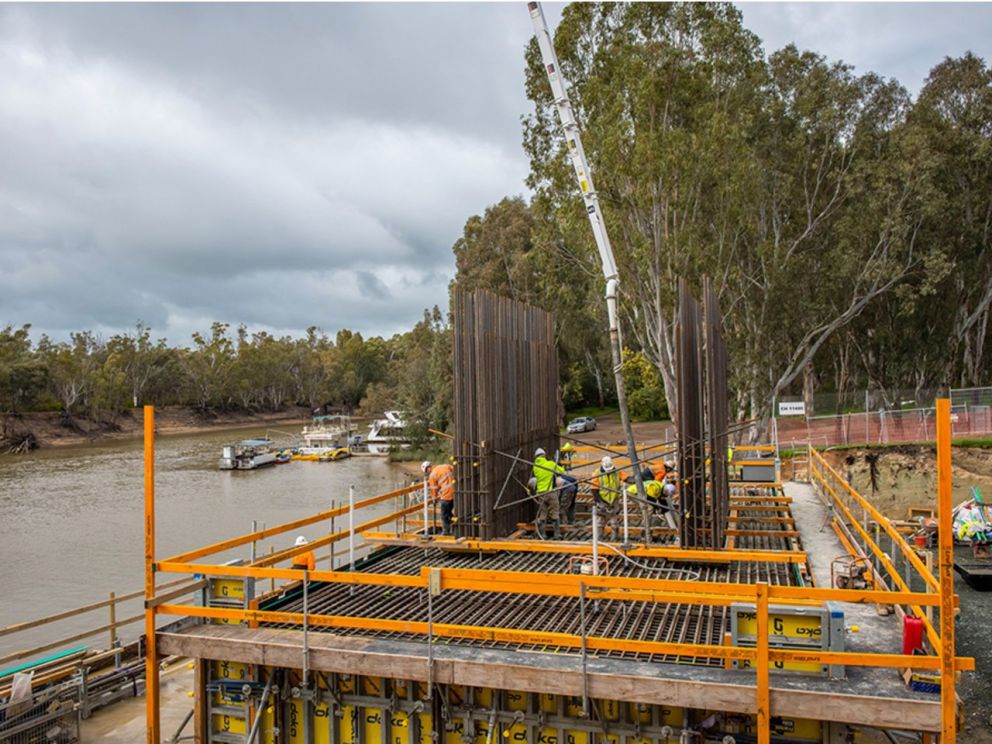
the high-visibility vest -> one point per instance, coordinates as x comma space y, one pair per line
545, 471
305, 560
608, 485
652, 489
441, 482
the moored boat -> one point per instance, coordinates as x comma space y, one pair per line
387, 433
248, 454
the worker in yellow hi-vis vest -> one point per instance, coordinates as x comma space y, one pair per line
606, 494
546, 485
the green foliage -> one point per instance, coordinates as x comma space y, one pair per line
23, 377
831, 212
251, 371
645, 393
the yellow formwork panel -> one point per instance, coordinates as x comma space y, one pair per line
228, 670
227, 589
225, 724
782, 626
800, 729
787, 666
369, 723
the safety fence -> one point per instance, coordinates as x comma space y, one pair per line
433, 580
881, 427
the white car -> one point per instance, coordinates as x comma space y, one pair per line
581, 424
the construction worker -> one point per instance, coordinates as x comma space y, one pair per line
605, 487
653, 489
569, 486
546, 476
441, 485
670, 494
304, 561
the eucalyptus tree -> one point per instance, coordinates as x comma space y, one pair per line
783, 178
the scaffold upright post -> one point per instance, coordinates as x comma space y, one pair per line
945, 537
153, 734
761, 641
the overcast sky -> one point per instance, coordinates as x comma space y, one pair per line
293, 165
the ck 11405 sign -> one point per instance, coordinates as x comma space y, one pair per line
791, 408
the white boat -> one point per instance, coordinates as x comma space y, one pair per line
387, 433
248, 454
327, 433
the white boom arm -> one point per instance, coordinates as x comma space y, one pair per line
584, 177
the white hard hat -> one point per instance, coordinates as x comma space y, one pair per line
607, 464
425, 465
538, 452
301, 540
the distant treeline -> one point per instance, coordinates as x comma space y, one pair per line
846, 226
102, 378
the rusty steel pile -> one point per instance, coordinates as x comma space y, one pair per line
703, 419
505, 406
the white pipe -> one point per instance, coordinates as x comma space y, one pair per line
626, 521
351, 527
427, 519
595, 541
611, 303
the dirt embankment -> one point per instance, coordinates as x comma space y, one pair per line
54, 430
896, 478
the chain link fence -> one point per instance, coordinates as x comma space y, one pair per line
903, 420
49, 716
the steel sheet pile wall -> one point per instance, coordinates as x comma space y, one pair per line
506, 405
703, 420
717, 415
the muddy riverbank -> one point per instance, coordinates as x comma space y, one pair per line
55, 430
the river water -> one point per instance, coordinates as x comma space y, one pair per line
71, 519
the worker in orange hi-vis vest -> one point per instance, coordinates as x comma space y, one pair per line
305, 561
441, 485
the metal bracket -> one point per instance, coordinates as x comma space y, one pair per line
434, 581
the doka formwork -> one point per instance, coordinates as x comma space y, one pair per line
627, 681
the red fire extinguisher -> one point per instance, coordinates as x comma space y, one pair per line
912, 635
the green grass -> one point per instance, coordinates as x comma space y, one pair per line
972, 442
984, 442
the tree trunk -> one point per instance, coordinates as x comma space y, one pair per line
808, 385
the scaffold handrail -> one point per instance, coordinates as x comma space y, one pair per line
882, 557
667, 591
882, 521
278, 529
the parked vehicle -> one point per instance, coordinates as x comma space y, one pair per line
581, 424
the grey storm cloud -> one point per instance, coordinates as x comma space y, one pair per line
274, 165
296, 164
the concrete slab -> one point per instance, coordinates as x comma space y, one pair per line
124, 721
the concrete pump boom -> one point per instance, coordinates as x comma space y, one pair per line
584, 177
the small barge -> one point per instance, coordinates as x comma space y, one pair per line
248, 454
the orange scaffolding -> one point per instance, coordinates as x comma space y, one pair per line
669, 591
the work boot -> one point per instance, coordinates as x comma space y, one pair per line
557, 529
539, 528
